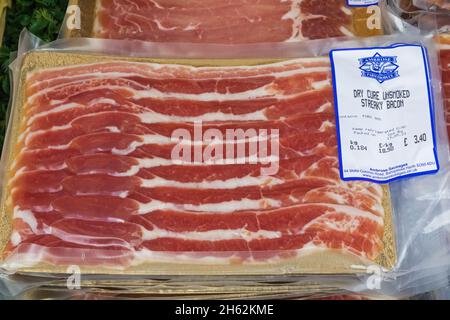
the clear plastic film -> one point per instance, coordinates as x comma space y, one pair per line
420, 18
80, 198
412, 6
404, 16
432, 4
442, 294
239, 22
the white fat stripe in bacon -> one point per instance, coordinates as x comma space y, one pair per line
63, 81
176, 71
222, 234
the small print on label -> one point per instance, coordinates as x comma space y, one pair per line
361, 3
384, 113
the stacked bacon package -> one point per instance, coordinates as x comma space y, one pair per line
227, 22
95, 179
96, 160
180, 156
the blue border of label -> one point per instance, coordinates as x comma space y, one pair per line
430, 103
361, 5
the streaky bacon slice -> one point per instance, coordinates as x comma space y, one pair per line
131, 124
289, 227
288, 84
50, 78
143, 99
296, 227
55, 251
95, 180
78, 231
138, 164
131, 144
224, 177
90, 207
314, 190
151, 110
239, 21
179, 195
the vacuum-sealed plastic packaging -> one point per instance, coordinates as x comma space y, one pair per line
112, 164
436, 23
233, 22
432, 4
443, 294
96, 177
430, 22
414, 14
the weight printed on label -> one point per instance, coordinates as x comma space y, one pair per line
361, 3
384, 106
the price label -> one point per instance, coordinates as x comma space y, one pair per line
384, 104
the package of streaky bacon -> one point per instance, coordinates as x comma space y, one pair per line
238, 161
225, 22
95, 178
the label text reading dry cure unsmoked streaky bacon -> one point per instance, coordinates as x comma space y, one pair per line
95, 173
384, 103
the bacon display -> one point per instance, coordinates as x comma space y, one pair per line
229, 21
95, 182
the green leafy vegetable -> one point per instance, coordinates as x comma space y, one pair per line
41, 17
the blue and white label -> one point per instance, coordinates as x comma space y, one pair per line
384, 113
379, 67
361, 3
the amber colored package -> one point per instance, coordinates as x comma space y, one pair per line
210, 21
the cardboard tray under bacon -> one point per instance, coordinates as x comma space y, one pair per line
323, 262
83, 21
225, 288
